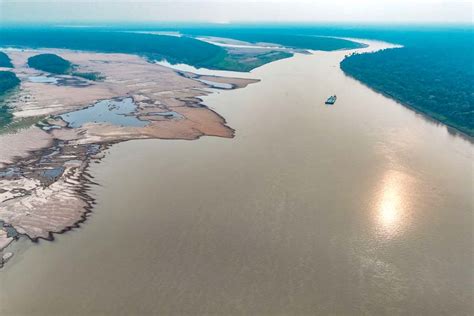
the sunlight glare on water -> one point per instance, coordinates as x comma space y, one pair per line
393, 205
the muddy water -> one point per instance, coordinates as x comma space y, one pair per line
363, 207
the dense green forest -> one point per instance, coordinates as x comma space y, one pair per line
5, 60
57, 65
441, 89
8, 80
434, 76
248, 61
174, 49
51, 63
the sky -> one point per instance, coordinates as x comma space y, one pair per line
228, 11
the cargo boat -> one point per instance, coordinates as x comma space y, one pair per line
331, 100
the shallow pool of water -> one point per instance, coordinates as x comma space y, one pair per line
115, 112
43, 79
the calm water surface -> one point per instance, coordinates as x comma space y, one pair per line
116, 112
364, 207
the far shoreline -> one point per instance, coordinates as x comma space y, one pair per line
451, 128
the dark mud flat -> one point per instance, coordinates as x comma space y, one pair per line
63, 162
217, 85
167, 114
60, 81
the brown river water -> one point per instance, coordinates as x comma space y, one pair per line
363, 207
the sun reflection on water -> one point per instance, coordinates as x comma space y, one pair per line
390, 207
393, 200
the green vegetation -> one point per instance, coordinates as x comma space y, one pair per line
8, 126
174, 49
57, 65
5, 115
8, 80
51, 63
434, 84
5, 60
245, 62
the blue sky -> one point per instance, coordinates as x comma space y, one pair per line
227, 11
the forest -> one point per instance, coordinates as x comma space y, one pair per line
5, 61
434, 77
8, 80
175, 49
51, 63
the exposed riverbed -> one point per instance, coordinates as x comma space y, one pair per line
362, 207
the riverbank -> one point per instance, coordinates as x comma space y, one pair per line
423, 78
437, 118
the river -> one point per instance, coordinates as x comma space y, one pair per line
362, 207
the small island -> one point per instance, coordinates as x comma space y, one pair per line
55, 64
51, 63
